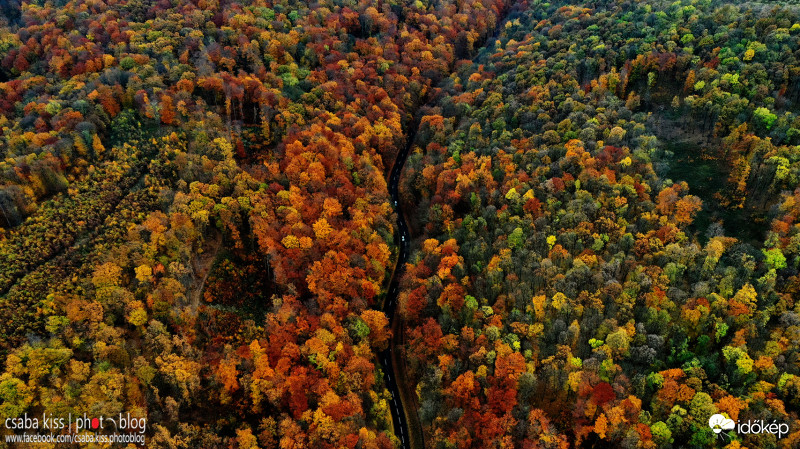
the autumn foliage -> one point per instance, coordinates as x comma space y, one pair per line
197, 227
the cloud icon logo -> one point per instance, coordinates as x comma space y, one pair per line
718, 423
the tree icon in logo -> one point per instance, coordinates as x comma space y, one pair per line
718, 423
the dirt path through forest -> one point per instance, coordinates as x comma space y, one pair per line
201, 266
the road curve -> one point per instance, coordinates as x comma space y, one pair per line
390, 374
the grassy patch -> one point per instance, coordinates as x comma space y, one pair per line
708, 179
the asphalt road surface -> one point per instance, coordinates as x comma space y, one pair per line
390, 305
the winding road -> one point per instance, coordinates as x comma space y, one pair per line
411, 437
390, 304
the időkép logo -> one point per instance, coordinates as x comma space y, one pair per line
720, 423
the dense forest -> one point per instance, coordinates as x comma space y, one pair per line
578, 280
196, 224
603, 197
